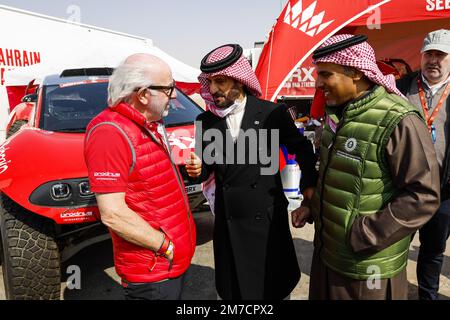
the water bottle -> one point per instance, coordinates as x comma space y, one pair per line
290, 178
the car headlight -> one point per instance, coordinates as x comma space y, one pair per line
60, 191
85, 189
70, 193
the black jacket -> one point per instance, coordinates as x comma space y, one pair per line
253, 247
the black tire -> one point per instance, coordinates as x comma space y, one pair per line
1, 248
31, 262
15, 127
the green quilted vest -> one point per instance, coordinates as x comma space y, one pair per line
354, 180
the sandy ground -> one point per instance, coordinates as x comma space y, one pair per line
99, 280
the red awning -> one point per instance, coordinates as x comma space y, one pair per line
396, 30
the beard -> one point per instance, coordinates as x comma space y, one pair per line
223, 101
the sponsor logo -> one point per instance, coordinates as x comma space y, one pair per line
305, 20
76, 214
351, 144
107, 174
183, 143
79, 83
193, 189
19, 58
3, 161
182, 139
12, 57
438, 5
301, 78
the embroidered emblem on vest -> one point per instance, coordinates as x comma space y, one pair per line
351, 144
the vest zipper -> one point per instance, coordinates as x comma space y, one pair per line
186, 203
188, 208
333, 141
175, 171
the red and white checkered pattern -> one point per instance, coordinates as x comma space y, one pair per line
240, 71
361, 57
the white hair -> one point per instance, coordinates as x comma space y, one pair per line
126, 78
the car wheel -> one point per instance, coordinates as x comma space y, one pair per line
31, 262
1, 249
15, 127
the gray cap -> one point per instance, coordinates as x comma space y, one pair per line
437, 40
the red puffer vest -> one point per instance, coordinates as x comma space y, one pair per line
156, 192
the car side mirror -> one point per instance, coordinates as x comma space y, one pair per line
30, 98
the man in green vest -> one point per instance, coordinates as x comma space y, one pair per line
378, 178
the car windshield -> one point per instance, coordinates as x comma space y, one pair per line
70, 108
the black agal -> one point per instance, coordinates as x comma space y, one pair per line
325, 51
221, 64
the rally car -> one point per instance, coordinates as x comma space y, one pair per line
48, 211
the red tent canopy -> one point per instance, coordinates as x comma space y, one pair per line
397, 11
404, 24
395, 29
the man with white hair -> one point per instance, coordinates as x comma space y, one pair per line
139, 191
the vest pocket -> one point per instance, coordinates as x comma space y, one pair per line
170, 262
348, 156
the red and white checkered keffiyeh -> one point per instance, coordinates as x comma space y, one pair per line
240, 71
362, 58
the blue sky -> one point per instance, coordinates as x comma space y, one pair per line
185, 29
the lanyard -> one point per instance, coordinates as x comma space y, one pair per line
430, 119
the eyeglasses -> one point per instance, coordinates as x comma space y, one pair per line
168, 90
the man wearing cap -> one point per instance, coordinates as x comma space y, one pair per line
428, 89
254, 253
378, 177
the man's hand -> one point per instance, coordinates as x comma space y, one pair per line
126, 223
194, 166
300, 216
